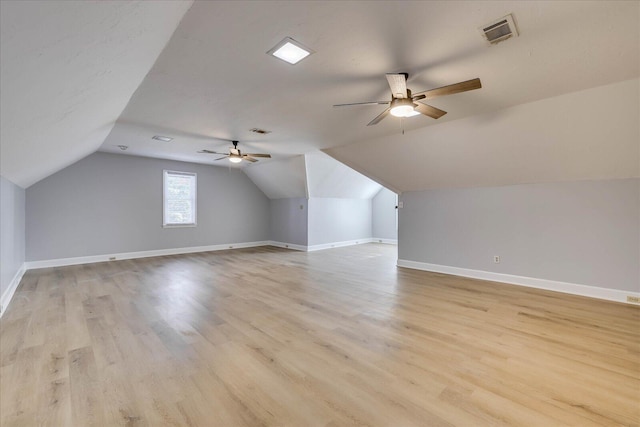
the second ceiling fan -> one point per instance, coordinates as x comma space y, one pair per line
405, 104
236, 156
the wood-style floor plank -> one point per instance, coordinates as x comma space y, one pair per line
341, 337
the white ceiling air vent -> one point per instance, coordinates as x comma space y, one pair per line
499, 30
260, 131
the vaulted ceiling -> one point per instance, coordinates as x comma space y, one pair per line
67, 70
80, 76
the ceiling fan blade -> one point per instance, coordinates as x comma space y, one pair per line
268, 156
450, 90
363, 103
381, 116
249, 158
398, 84
209, 152
430, 111
220, 158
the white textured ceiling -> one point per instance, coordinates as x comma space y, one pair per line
215, 80
67, 70
72, 66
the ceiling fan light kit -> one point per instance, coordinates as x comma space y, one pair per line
403, 107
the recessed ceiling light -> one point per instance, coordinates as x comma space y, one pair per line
290, 51
162, 138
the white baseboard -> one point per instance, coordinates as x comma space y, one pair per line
532, 282
386, 241
331, 245
285, 245
141, 254
8, 294
61, 262
338, 244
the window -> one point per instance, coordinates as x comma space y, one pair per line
179, 199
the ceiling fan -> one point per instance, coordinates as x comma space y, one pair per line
405, 104
236, 156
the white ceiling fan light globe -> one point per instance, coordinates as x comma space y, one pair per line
235, 159
403, 107
404, 111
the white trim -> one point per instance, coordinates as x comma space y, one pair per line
288, 245
141, 254
339, 244
61, 262
8, 294
531, 282
385, 241
331, 245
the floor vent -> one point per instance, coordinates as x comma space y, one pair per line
499, 30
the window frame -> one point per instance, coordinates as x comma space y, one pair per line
165, 175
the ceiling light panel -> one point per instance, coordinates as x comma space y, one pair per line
290, 51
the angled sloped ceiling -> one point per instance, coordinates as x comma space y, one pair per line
68, 69
590, 134
328, 178
314, 175
280, 179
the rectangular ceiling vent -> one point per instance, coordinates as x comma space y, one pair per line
260, 131
499, 30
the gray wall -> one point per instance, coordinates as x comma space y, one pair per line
338, 220
584, 232
12, 231
288, 223
384, 215
109, 203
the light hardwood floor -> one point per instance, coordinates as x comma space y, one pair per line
269, 337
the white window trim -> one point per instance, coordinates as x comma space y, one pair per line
165, 173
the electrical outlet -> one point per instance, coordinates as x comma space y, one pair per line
634, 300
496, 259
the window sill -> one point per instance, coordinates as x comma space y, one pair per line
179, 225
